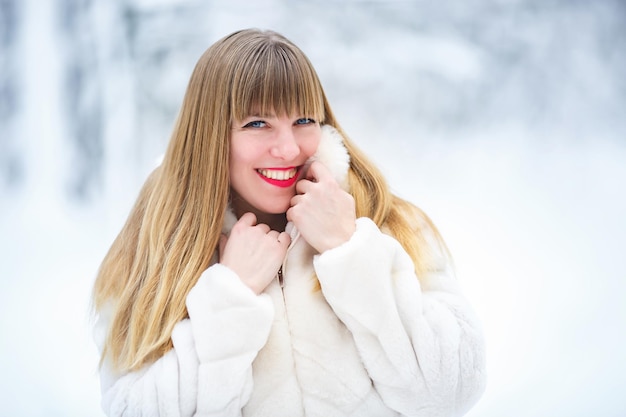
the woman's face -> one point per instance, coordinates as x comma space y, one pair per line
267, 154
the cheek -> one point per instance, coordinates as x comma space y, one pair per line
310, 146
242, 155
239, 162
233, 162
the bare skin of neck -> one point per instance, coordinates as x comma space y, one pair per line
240, 207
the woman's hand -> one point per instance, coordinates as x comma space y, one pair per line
323, 213
254, 252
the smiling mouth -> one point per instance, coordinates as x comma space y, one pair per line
285, 177
278, 174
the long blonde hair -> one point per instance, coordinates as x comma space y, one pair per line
174, 227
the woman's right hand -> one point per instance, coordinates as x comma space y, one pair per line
254, 252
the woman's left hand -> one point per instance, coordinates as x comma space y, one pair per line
323, 213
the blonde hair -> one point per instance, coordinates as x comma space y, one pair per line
174, 227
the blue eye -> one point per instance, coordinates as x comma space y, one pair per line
304, 121
255, 124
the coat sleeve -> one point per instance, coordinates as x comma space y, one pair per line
422, 347
209, 370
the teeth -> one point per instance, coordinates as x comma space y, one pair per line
281, 175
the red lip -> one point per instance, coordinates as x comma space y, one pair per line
281, 183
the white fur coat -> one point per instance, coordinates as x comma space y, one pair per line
372, 342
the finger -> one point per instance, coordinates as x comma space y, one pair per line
305, 169
294, 215
248, 219
295, 200
317, 172
303, 186
263, 227
273, 235
284, 240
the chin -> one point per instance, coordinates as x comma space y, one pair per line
280, 210
275, 208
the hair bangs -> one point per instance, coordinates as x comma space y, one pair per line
277, 80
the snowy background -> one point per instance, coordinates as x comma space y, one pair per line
504, 120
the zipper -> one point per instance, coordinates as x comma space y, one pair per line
294, 234
281, 282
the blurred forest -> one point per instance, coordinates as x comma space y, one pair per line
109, 75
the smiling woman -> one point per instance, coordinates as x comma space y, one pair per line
267, 270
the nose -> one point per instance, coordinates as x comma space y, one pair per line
285, 146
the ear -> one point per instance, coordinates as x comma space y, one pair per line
333, 154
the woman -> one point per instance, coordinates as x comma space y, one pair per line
267, 270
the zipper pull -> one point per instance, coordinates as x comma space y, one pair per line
280, 277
